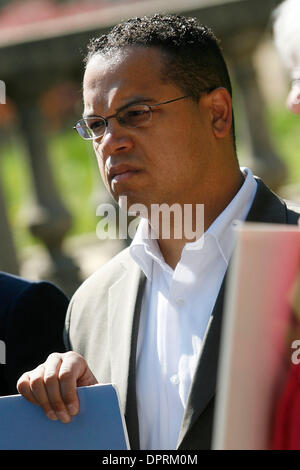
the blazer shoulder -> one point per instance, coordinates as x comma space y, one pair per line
89, 304
107, 274
92, 295
268, 207
293, 211
16, 290
11, 285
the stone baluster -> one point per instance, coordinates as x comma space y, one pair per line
49, 220
263, 158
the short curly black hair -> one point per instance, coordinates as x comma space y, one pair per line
192, 56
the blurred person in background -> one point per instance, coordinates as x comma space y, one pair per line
32, 316
287, 40
286, 432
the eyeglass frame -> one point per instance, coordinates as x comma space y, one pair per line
105, 120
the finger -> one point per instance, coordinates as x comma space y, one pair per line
38, 389
70, 372
23, 387
74, 372
52, 386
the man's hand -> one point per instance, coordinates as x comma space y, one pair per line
52, 385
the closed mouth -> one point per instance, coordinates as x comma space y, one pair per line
122, 171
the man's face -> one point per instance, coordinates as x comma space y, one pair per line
165, 160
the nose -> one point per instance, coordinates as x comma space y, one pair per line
115, 139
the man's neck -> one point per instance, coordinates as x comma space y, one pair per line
171, 248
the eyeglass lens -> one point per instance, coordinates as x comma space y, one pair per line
133, 116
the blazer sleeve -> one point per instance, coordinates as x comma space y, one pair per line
35, 323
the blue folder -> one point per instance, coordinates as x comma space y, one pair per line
99, 424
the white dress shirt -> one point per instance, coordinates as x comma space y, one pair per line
176, 308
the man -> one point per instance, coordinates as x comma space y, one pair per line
158, 107
32, 316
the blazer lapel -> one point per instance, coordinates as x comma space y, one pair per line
124, 307
267, 208
205, 378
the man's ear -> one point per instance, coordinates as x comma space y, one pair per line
220, 104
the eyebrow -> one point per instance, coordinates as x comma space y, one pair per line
135, 100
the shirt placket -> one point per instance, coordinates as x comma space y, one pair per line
172, 356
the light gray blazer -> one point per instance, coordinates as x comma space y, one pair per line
102, 325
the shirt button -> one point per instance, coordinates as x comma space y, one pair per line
174, 379
180, 302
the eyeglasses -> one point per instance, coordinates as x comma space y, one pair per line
134, 115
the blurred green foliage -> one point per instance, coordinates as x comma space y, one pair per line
285, 133
76, 177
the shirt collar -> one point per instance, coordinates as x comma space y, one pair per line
144, 249
222, 229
